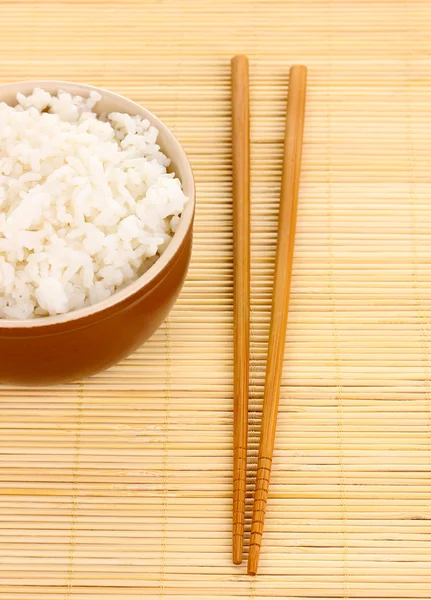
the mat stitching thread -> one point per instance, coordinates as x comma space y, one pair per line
75, 474
165, 457
420, 305
335, 335
168, 392
422, 317
340, 407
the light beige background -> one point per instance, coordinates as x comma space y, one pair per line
120, 487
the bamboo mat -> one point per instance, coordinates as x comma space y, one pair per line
119, 487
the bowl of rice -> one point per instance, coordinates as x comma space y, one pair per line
97, 204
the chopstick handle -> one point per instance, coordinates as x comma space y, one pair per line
280, 302
241, 251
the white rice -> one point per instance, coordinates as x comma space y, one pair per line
86, 204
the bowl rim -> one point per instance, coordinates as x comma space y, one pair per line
174, 245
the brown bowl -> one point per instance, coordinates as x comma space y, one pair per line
74, 345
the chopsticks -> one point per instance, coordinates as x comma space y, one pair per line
280, 299
280, 302
241, 235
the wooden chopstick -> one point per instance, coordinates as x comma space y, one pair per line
280, 302
241, 238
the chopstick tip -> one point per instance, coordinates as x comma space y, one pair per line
252, 572
253, 560
299, 69
237, 549
239, 58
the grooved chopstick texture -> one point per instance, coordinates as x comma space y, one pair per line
122, 488
241, 291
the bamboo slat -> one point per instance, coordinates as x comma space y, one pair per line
121, 487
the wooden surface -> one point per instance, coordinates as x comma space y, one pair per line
241, 291
288, 212
121, 488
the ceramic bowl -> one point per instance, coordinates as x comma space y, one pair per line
74, 345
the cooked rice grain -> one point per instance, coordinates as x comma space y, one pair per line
86, 203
